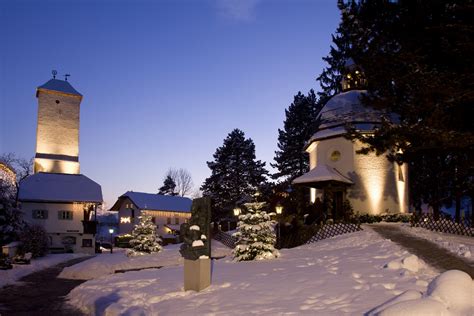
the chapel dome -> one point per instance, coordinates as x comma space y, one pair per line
346, 107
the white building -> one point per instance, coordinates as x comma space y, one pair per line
57, 197
65, 206
167, 212
371, 183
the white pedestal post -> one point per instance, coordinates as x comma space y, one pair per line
197, 274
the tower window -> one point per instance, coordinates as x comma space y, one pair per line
57, 101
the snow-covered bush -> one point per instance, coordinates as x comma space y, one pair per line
34, 239
144, 238
255, 235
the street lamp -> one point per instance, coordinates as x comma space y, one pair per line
111, 231
279, 210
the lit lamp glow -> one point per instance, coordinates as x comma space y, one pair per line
279, 209
124, 220
237, 211
111, 231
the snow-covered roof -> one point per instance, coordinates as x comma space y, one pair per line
59, 187
159, 202
327, 133
321, 174
60, 86
347, 107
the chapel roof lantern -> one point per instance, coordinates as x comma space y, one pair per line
353, 77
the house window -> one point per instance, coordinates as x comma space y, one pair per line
168, 220
87, 243
133, 213
176, 220
153, 220
40, 214
65, 215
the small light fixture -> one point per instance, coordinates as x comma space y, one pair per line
279, 209
111, 230
237, 211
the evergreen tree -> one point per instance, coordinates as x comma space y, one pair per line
169, 187
256, 235
302, 121
235, 174
343, 48
144, 237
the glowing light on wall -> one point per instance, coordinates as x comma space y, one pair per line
56, 166
124, 220
373, 176
401, 188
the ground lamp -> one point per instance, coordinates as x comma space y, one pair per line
279, 211
111, 231
237, 211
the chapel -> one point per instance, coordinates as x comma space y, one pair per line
338, 174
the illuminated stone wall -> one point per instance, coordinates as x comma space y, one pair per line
57, 132
379, 185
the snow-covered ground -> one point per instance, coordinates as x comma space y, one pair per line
462, 246
348, 274
13, 275
107, 263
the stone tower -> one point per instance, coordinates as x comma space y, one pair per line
57, 133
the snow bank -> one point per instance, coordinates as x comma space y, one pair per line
106, 263
19, 271
411, 263
340, 276
450, 293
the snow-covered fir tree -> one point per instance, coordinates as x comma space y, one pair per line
144, 238
256, 234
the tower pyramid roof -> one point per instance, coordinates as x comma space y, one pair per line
57, 85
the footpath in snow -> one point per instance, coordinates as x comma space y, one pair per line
438, 257
350, 274
20, 270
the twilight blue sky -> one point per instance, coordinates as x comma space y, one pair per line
164, 82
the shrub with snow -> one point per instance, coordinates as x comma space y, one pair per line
144, 237
255, 235
35, 240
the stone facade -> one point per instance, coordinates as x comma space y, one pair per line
57, 136
64, 233
379, 186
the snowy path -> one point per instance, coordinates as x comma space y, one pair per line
40, 293
431, 253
